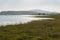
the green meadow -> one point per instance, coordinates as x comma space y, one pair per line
35, 30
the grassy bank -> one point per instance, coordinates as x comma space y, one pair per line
36, 30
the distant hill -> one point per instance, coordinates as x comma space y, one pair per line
17, 12
30, 12
44, 12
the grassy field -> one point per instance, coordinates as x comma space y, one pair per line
36, 30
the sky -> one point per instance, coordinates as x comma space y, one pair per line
16, 5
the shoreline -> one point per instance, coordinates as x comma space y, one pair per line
41, 19
24, 19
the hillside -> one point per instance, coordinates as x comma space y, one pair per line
30, 12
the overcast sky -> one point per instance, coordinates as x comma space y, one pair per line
49, 5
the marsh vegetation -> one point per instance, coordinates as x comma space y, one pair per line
35, 30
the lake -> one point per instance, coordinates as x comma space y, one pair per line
19, 19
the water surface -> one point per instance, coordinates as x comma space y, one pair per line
18, 19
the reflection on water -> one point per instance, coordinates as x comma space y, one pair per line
17, 19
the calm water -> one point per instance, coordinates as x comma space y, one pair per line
17, 19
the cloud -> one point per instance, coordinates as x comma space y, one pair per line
52, 5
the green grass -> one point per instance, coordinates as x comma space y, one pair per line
36, 30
